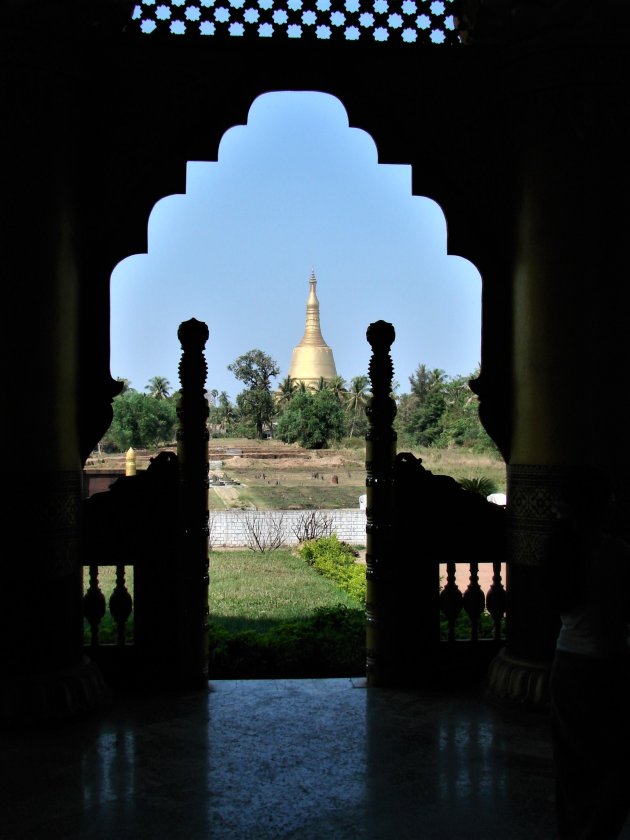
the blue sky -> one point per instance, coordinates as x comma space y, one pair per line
295, 190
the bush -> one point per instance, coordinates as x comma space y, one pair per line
482, 485
335, 560
330, 643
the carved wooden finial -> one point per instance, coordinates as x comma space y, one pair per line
381, 333
193, 335
381, 336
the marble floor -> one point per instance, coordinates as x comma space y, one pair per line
275, 759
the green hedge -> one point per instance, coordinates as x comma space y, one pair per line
331, 643
336, 560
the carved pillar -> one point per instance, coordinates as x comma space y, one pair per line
43, 672
380, 450
402, 609
570, 348
191, 573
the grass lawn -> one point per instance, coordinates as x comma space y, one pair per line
274, 617
286, 496
271, 616
254, 591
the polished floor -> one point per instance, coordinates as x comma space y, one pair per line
275, 759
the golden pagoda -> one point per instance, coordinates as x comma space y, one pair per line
312, 359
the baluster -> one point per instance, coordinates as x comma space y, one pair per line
451, 600
120, 604
94, 605
474, 601
496, 599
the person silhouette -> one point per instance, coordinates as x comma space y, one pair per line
589, 569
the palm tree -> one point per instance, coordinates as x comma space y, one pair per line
126, 385
357, 397
226, 410
322, 384
338, 386
158, 387
286, 390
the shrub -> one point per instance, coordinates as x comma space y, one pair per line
335, 560
330, 643
480, 484
263, 533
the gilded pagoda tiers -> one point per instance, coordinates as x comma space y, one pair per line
312, 358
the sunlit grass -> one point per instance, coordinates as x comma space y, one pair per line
254, 591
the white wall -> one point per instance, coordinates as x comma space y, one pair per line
232, 528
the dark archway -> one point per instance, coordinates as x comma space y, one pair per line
141, 125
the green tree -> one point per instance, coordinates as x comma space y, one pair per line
423, 412
286, 390
312, 418
256, 410
126, 385
356, 400
214, 415
461, 423
424, 381
158, 387
140, 421
226, 411
256, 370
440, 411
338, 386
425, 420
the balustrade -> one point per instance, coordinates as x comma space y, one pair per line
119, 605
426, 608
414, 521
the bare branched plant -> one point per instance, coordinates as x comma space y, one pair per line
312, 525
264, 532
210, 529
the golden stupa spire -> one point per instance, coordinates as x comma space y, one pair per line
312, 359
313, 330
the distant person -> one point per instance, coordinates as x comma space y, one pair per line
589, 568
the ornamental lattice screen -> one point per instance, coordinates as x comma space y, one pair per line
400, 21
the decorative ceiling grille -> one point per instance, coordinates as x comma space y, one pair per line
406, 21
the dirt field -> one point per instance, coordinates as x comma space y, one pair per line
270, 475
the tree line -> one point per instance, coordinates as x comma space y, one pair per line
436, 411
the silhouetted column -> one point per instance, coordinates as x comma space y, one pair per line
570, 348
380, 450
191, 572
44, 673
